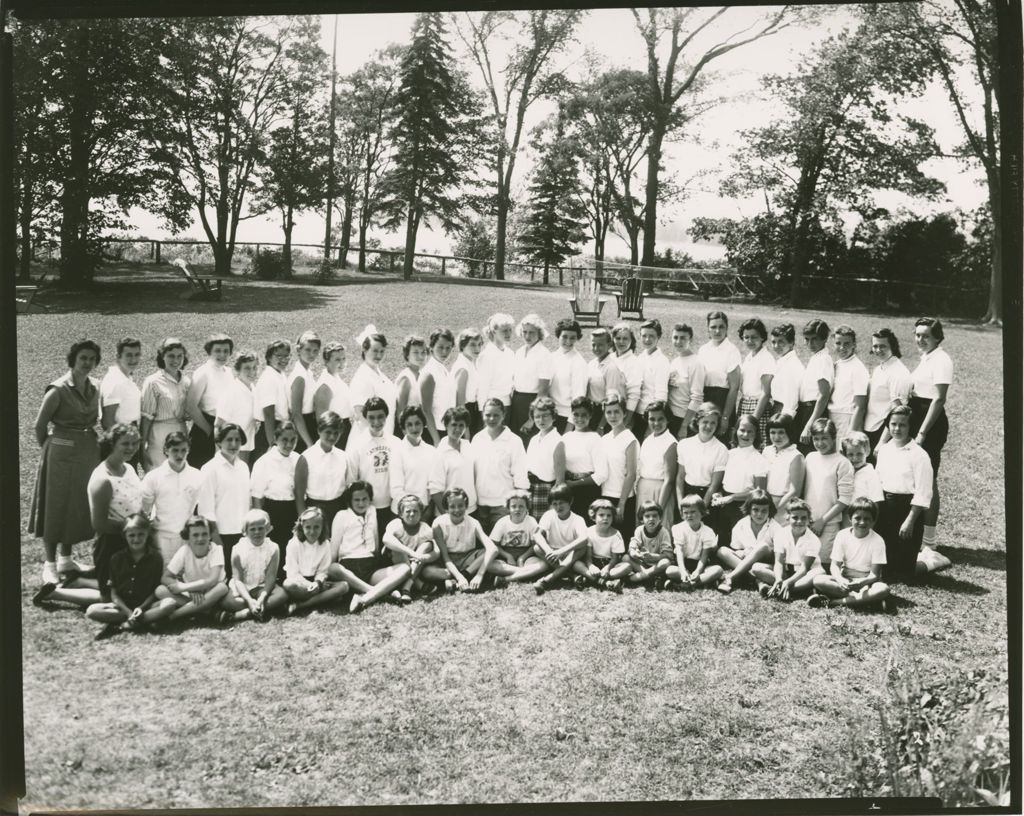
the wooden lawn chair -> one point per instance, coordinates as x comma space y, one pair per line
631, 298
203, 287
586, 301
25, 294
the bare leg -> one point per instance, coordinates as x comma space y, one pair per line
79, 597
710, 576
532, 568
390, 579
105, 612
336, 572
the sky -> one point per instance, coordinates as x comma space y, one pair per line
703, 152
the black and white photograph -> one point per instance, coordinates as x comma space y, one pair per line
513, 405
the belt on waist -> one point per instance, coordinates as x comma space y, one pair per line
537, 480
65, 429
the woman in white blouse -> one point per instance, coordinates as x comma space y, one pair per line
332, 392
496, 361
464, 377
632, 370
370, 381
163, 401
721, 361
271, 395
237, 403
888, 387
621, 452
407, 383
654, 369
531, 374
585, 466
302, 387
815, 385
437, 389
785, 391
931, 380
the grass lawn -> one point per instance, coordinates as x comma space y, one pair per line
502, 696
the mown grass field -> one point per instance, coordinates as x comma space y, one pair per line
502, 696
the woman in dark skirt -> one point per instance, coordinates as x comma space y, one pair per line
722, 375
531, 375
302, 388
469, 341
816, 384
906, 475
69, 452
928, 423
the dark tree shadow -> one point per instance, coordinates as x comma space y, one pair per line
970, 557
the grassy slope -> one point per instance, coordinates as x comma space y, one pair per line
466, 698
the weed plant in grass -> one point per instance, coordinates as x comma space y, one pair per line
502, 696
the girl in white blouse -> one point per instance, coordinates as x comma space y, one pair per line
752, 544
816, 383
407, 383
785, 390
496, 362
745, 470
888, 387
545, 456
464, 376
415, 462
656, 464
437, 389
370, 381
224, 496
721, 361
272, 486
785, 464
322, 470
756, 373
621, 451
332, 392
685, 382
701, 459
654, 368
163, 401
585, 467
632, 371
302, 387
531, 374
271, 395
237, 403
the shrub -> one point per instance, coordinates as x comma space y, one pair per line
947, 738
267, 266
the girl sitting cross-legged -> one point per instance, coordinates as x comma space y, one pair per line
457, 535
604, 551
411, 543
307, 565
194, 577
254, 588
561, 544
517, 537
694, 545
753, 542
797, 551
858, 558
650, 549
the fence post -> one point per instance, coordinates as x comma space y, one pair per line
485, 268
257, 250
158, 246
391, 262
443, 261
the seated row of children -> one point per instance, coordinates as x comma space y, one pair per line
455, 554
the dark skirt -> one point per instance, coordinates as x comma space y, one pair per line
260, 446
476, 422
717, 395
519, 414
229, 540
582, 497
900, 554
935, 439
639, 426
722, 519
384, 517
873, 438
561, 423
694, 490
675, 423
804, 410
346, 430
103, 548
200, 444
60, 500
309, 420
282, 522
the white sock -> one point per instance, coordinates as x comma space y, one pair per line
64, 561
50, 565
929, 535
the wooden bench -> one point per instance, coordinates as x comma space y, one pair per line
203, 287
25, 294
586, 301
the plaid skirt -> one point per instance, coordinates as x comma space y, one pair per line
540, 496
747, 406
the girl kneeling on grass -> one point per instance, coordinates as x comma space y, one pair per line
753, 540
134, 577
456, 535
308, 581
693, 545
517, 537
604, 552
858, 559
356, 551
650, 549
194, 577
411, 543
254, 570
796, 557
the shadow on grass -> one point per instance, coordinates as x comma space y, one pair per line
948, 583
970, 557
161, 296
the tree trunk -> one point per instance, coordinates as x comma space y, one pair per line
994, 314
363, 227
346, 232
501, 230
547, 264
634, 246
286, 250
651, 191
74, 225
25, 236
411, 226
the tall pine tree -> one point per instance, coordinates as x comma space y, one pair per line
435, 138
556, 220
